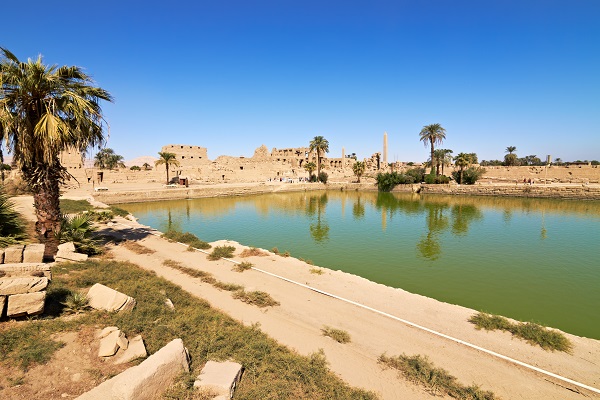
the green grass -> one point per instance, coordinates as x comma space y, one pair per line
338, 335
437, 381
272, 371
244, 266
187, 238
119, 211
221, 252
68, 206
534, 334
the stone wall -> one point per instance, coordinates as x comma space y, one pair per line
583, 192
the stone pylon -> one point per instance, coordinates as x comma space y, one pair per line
385, 149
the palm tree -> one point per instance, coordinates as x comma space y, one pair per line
462, 160
432, 134
102, 158
442, 158
45, 110
167, 159
310, 167
359, 169
319, 144
511, 149
115, 161
146, 166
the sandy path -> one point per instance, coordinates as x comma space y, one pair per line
297, 323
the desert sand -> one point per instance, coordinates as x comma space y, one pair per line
303, 312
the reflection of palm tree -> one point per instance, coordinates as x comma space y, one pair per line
462, 216
316, 205
358, 209
429, 247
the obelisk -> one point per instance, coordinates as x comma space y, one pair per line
385, 148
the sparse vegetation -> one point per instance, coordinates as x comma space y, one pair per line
316, 271
68, 206
78, 229
286, 254
338, 335
533, 333
137, 248
230, 287
420, 370
187, 238
257, 298
253, 252
221, 252
119, 212
76, 303
12, 228
275, 250
244, 266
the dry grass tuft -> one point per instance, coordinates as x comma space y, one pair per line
241, 267
253, 252
136, 247
338, 335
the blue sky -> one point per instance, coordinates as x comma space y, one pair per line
232, 75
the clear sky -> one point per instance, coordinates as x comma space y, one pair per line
232, 75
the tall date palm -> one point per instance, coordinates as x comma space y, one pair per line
431, 135
45, 109
320, 145
167, 159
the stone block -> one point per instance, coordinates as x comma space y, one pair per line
106, 331
220, 377
135, 349
110, 344
64, 255
147, 380
20, 305
26, 269
102, 297
33, 253
69, 247
19, 285
13, 254
2, 256
2, 303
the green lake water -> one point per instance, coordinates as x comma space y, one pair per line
529, 259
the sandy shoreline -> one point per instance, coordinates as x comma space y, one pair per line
297, 323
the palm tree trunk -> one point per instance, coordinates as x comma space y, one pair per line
47, 209
167, 167
432, 167
318, 163
461, 175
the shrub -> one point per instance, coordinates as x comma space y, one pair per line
323, 177
12, 228
533, 333
221, 252
135, 168
430, 178
286, 254
253, 252
76, 302
187, 238
469, 176
244, 266
442, 179
275, 250
338, 335
257, 298
78, 229
420, 370
388, 180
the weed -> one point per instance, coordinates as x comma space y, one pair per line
275, 250
18, 381
317, 271
137, 248
309, 262
172, 264
420, 370
243, 266
533, 333
252, 252
76, 302
286, 254
221, 252
187, 238
338, 335
258, 298
230, 287
205, 277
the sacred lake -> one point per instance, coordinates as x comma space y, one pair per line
529, 259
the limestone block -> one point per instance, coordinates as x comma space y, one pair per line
26, 269
64, 255
1, 256
69, 247
20, 305
110, 344
13, 254
106, 331
18, 285
33, 253
122, 341
2, 302
147, 380
102, 297
220, 377
136, 349
169, 304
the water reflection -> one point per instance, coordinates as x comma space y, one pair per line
319, 229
